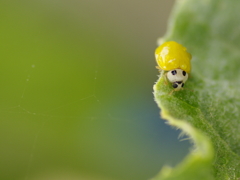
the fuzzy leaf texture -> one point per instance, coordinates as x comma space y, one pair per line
208, 109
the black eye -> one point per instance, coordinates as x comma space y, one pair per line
174, 72
174, 85
184, 73
182, 84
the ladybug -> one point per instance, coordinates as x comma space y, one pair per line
173, 58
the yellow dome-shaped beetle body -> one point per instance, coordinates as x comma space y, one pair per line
171, 55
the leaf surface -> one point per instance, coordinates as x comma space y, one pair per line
208, 109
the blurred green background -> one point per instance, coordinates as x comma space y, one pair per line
76, 91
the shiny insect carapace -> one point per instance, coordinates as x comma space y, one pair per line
173, 58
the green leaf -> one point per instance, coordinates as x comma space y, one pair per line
208, 109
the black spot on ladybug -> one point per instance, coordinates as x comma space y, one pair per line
182, 84
174, 72
174, 85
184, 73
179, 82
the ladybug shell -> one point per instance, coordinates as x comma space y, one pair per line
171, 55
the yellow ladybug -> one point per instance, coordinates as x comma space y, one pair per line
175, 59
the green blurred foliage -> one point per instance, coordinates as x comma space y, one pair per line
76, 91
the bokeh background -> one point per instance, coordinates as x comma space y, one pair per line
76, 82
